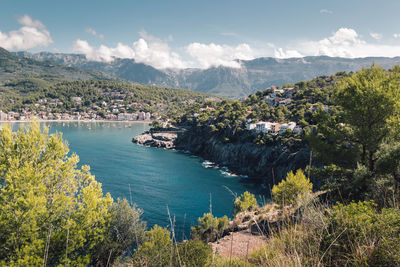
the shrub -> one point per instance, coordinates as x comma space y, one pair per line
293, 188
125, 231
360, 235
155, 249
295, 243
222, 261
192, 253
245, 202
210, 228
155, 124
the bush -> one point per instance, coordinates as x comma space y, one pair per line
210, 228
155, 124
125, 231
155, 249
222, 261
360, 235
192, 253
295, 243
294, 188
245, 202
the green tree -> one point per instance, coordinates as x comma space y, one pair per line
348, 139
156, 249
125, 231
245, 202
292, 189
101, 113
155, 124
210, 228
51, 212
369, 99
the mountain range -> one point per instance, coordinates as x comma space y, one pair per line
13, 67
253, 75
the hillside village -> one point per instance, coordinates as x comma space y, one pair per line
114, 108
275, 98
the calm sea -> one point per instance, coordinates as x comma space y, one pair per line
153, 178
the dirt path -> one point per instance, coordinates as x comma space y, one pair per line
243, 242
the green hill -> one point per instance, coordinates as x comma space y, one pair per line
34, 96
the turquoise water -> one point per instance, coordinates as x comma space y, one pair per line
157, 177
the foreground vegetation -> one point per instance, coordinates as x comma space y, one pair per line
54, 213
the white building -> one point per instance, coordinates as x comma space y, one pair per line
291, 125
263, 126
147, 116
127, 117
3, 116
250, 126
297, 130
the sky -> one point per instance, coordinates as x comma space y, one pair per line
186, 33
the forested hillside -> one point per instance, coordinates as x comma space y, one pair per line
36, 96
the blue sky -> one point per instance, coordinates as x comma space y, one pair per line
179, 33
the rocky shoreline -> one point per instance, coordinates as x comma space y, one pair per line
157, 139
269, 163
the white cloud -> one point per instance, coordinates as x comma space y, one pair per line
32, 34
219, 55
156, 52
325, 11
396, 35
148, 49
279, 53
94, 33
82, 47
103, 53
376, 36
345, 42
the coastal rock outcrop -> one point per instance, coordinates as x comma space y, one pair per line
159, 139
270, 163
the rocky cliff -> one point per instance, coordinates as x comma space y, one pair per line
270, 163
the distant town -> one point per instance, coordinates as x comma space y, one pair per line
115, 109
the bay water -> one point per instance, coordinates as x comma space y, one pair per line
157, 180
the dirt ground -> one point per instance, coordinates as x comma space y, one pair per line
243, 243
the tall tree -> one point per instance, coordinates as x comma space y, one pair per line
51, 211
369, 99
348, 138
